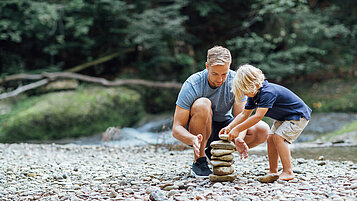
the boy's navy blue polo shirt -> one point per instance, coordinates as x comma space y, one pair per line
283, 104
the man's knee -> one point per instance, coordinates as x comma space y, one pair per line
263, 128
261, 131
202, 106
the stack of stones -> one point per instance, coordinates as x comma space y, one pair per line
222, 160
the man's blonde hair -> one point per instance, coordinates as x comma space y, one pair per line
218, 55
248, 80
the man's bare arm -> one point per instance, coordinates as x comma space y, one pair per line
179, 130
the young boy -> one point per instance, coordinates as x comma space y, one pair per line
290, 113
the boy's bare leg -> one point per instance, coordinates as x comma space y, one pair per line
201, 121
272, 155
285, 157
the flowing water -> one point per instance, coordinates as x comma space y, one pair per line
334, 153
158, 131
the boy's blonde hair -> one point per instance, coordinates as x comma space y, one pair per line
248, 79
218, 55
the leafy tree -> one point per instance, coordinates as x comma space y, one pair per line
36, 35
157, 33
290, 39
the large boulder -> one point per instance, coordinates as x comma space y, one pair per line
73, 113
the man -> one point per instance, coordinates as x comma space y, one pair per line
204, 106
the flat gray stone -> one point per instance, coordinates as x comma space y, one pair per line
223, 170
223, 137
228, 157
218, 178
217, 163
157, 195
221, 152
221, 144
269, 178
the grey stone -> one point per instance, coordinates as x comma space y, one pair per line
223, 170
217, 163
228, 157
221, 152
157, 195
218, 178
353, 186
321, 163
169, 188
223, 137
268, 178
221, 144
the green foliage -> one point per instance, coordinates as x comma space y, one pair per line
168, 40
156, 33
345, 130
336, 95
38, 34
161, 40
156, 100
284, 38
71, 114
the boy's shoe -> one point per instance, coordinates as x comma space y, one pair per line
200, 168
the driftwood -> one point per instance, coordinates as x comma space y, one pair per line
23, 89
92, 63
49, 77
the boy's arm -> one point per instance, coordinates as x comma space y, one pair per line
238, 107
240, 126
239, 119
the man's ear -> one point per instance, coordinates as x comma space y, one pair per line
206, 65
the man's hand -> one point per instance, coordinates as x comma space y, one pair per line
197, 145
242, 148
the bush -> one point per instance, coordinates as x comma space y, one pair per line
335, 95
72, 114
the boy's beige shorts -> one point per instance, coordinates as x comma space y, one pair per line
289, 130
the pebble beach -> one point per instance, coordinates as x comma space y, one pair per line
148, 172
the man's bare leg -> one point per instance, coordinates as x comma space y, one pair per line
257, 134
254, 136
201, 121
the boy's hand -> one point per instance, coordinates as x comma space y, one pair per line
233, 134
225, 130
197, 145
242, 148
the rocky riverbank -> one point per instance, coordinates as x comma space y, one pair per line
91, 172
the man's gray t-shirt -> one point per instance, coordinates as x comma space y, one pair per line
222, 98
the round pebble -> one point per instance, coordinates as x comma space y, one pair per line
95, 172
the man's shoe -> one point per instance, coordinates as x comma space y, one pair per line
200, 168
208, 153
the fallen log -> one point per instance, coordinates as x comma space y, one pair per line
50, 77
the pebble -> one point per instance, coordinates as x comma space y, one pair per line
94, 172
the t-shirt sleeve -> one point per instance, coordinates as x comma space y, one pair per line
267, 100
250, 104
186, 96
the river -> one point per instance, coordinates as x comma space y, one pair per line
157, 130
